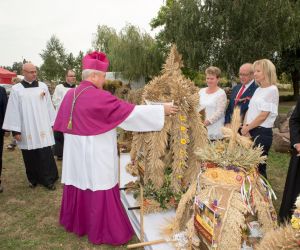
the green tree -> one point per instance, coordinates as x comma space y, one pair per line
54, 57
77, 66
105, 39
183, 24
131, 52
227, 33
289, 59
70, 62
16, 67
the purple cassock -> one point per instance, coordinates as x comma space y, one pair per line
97, 213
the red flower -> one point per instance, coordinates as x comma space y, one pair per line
43, 93
245, 99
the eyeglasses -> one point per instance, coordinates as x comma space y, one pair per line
244, 74
71, 76
31, 72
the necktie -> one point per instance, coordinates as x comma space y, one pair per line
239, 94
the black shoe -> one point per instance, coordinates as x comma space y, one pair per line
32, 185
51, 187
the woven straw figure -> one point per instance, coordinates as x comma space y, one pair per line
168, 156
231, 203
122, 91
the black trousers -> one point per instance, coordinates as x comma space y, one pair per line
1, 151
59, 144
40, 166
263, 137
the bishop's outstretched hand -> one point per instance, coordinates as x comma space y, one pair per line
170, 109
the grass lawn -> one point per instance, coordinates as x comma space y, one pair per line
277, 168
285, 107
29, 217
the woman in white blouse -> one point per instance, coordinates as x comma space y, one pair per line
263, 108
213, 100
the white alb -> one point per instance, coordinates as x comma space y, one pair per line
91, 162
30, 111
58, 95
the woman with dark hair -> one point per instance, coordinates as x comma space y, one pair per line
213, 101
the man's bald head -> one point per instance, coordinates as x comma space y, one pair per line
29, 72
248, 67
246, 73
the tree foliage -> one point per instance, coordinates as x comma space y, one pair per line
77, 67
228, 33
16, 67
289, 59
131, 52
56, 61
54, 57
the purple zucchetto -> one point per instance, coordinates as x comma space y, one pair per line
95, 60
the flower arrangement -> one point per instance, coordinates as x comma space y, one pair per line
295, 220
157, 200
245, 99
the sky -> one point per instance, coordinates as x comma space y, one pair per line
27, 25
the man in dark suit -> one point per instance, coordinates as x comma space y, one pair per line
292, 183
3, 103
241, 93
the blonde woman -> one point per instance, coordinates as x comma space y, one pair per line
213, 101
263, 108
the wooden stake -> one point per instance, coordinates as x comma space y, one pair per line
142, 213
148, 243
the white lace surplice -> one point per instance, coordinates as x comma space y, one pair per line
30, 111
58, 95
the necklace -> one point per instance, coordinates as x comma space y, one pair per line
75, 97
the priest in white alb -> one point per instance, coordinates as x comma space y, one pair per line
57, 97
30, 116
88, 117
